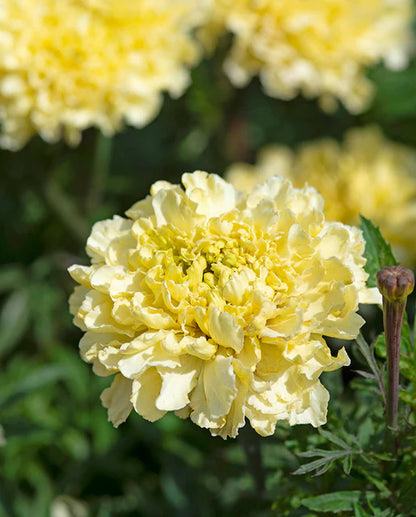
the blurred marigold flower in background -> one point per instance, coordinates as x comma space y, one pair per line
365, 174
319, 49
213, 304
70, 64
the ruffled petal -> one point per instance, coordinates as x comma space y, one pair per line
116, 399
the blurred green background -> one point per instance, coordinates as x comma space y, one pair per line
62, 457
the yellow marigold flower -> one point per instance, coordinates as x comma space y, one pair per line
366, 174
319, 49
213, 304
69, 64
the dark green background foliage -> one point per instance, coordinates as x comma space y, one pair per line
60, 448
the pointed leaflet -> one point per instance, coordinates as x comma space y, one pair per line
377, 251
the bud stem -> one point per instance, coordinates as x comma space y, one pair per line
395, 284
392, 318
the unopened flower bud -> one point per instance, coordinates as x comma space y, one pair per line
395, 282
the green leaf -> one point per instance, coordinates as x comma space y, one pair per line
347, 464
334, 439
14, 319
313, 465
377, 251
39, 378
321, 465
11, 277
334, 502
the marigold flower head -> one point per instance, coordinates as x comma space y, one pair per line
213, 304
319, 49
366, 174
69, 64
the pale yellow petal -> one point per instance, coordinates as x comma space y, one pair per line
216, 389
177, 384
146, 390
224, 330
212, 195
116, 399
171, 207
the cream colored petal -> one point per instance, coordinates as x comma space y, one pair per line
212, 195
177, 384
120, 248
162, 185
264, 214
262, 414
76, 299
125, 316
92, 342
345, 328
199, 347
81, 274
155, 318
314, 408
142, 208
114, 280
184, 412
286, 324
96, 311
236, 417
216, 390
276, 188
370, 295
116, 399
103, 233
146, 390
224, 330
299, 242
170, 207
134, 364
237, 286
323, 361
333, 241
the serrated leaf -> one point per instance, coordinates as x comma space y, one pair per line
311, 466
364, 374
334, 502
333, 438
320, 465
377, 251
316, 452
